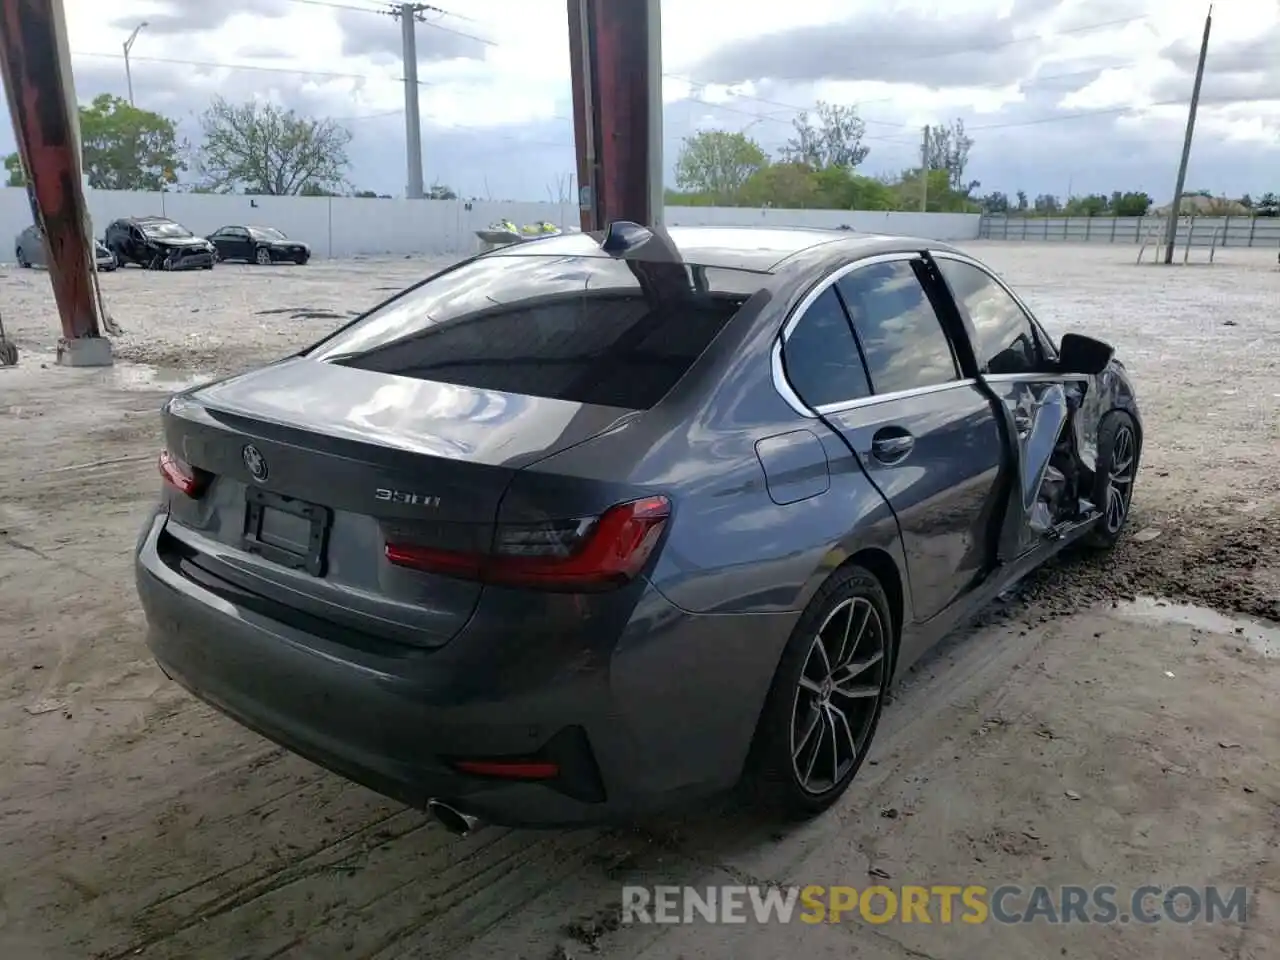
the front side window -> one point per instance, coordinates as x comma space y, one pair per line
1004, 340
820, 356
587, 329
903, 340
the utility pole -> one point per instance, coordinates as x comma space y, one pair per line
128, 45
615, 57
1171, 228
924, 172
408, 14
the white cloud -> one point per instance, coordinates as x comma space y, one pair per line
513, 91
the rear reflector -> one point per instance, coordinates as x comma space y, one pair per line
577, 556
182, 477
509, 769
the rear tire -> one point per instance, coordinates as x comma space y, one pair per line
1116, 470
22, 259
262, 257
823, 708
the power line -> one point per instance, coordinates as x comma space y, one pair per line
420, 14
218, 65
336, 6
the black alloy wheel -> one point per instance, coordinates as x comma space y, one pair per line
1116, 471
826, 700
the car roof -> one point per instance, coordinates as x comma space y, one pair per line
759, 249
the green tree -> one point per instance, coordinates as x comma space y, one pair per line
13, 167
1022, 201
839, 188
1130, 204
831, 137
126, 148
995, 202
718, 163
787, 186
940, 197
1092, 205
266, 149
1268, 205
1047, 205
949, 147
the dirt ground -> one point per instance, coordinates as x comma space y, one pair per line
1112, 721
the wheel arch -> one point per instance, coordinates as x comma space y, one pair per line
882, 566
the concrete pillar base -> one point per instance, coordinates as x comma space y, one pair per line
85, 352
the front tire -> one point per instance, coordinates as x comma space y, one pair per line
822, 711
263, 257
1116, 469
22, 258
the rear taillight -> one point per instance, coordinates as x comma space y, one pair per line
181, 476
583, 555
509, 769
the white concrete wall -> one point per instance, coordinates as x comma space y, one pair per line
349, 226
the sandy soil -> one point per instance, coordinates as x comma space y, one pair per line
1082, 733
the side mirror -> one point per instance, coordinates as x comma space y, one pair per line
1081, 354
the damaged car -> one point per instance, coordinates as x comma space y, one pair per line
589, 527
158, 243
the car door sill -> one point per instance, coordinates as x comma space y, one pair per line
1003, 576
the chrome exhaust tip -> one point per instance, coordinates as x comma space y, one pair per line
453, 820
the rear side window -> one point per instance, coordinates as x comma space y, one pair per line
821, 357
1004, 341
583, 329
901, 336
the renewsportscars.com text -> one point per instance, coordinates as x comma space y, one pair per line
937, 903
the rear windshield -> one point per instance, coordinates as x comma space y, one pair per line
585, 329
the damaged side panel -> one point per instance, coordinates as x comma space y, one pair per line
1047, 419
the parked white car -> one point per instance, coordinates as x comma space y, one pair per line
28, 250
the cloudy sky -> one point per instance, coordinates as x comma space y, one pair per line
1086, 95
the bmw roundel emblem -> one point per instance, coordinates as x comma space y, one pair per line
255, 461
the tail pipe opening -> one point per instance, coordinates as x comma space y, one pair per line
452, 819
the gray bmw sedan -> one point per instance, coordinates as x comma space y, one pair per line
598, 524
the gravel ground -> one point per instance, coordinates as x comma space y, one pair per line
1085, 732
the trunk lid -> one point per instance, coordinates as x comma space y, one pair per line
311, 467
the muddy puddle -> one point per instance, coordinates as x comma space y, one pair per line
142, 376
1262, 637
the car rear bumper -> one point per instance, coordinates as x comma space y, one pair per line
395, 720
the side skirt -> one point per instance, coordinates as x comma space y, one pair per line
918, 638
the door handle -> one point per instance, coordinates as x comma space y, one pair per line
891, 446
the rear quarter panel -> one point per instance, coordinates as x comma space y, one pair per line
741, 556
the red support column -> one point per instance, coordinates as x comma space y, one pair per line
36, 67
617, 110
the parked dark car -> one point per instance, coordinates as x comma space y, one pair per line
590, 526
29, 251
158, 243
261, 245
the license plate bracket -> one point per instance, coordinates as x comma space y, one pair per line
287, 531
